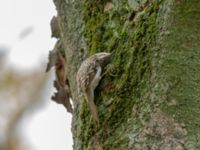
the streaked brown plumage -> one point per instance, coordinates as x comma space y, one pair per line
89, 75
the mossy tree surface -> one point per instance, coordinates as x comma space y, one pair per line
149, 97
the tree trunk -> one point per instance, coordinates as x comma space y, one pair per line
149, 97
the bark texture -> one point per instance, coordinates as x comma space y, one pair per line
149, 97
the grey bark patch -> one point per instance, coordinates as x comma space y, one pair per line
167, 134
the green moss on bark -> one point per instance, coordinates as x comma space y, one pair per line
120, 96
150, 91
180, 69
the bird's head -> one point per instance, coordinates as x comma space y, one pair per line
103, 58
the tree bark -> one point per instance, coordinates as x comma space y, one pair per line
149, 97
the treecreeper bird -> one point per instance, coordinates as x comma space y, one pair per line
88, 77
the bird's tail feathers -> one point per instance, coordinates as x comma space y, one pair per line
92, 106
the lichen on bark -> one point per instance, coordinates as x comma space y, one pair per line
152, 78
